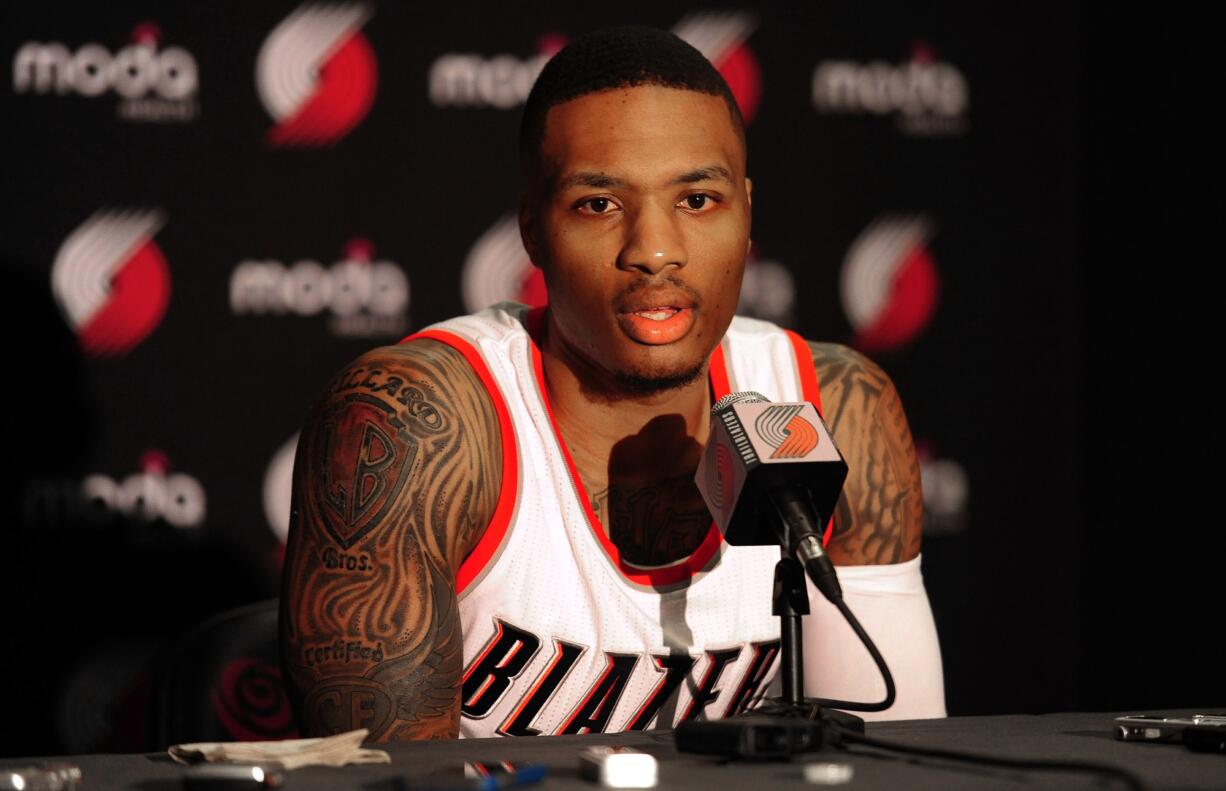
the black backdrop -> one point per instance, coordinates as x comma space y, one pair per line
997, 205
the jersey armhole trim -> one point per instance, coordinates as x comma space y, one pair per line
806, 371
487, 546
718, 368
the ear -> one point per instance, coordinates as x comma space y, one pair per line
528, 227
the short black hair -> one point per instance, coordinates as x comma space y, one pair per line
618, 57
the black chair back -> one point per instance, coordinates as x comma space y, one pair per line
223, 682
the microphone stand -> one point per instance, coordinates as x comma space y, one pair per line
790, 601
782, 726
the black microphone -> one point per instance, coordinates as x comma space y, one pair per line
771, 475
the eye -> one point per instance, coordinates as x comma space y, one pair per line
597, 206
699, 201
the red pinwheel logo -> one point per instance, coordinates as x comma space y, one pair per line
316, 74
783, 428
111, 281
498, 269
890, 283
720, 36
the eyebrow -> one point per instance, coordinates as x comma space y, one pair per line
589, 179
709, 173
605, 181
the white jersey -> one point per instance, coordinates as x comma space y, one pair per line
561, 635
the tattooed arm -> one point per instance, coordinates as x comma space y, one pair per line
880, 513
876, 542
397, 475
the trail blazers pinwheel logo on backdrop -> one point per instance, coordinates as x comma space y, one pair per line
890, 282
316, 74
111, 281
786, 431
720, 36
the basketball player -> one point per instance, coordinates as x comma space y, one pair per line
495, 526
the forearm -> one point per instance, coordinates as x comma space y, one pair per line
892, 606
354, 658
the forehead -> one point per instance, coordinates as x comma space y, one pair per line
643, 132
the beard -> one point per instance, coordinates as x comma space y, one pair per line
650, 384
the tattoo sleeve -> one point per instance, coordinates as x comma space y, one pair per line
879, 517
397, 474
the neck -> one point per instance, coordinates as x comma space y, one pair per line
595, 412
635, 453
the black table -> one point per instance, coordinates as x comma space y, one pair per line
1053, 737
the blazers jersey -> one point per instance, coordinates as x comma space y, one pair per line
561, 634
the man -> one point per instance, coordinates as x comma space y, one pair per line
496, 529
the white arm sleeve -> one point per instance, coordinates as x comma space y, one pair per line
892, 606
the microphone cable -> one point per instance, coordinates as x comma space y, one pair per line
845, 736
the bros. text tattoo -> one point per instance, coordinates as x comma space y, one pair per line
345, 561
398, 471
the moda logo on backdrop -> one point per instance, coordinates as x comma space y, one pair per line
153, 84
503, 81
111, 280
316, 74
927, 96
151, 494
889, 282
154, 493
363, 297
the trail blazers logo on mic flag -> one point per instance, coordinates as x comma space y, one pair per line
755, 444
316, 74
784, 433
111, 281
791, 435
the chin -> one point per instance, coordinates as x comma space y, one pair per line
652, 381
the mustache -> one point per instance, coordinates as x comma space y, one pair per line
669, 280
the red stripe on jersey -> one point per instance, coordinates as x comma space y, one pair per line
491, 539
718, 367
806, 371
812, 393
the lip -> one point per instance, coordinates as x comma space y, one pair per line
656, 315
668, 325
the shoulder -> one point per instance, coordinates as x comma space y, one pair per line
880, 515
405, 420
409, 377
843, 373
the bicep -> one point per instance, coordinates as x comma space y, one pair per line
879, 516
391, 485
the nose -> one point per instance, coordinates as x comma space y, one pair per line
654, 242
